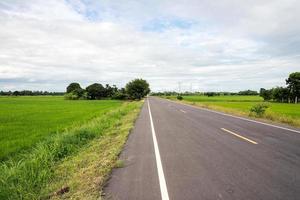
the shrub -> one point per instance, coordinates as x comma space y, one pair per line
76, 94
179, 97
119, 96
71, 96
258, 109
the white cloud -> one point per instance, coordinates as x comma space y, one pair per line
229, 46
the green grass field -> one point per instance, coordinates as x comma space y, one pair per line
26, 120
281, 112
244, 103
48, 143
224, 98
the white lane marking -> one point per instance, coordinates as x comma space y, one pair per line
237, 135
242, 118
161, 176
182, 111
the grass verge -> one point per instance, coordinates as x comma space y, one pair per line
76, 161
269, 116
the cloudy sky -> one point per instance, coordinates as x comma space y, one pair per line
204, 45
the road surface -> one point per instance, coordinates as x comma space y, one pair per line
180, 152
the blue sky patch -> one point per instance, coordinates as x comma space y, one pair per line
162, 24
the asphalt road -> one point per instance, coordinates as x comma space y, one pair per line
193, 153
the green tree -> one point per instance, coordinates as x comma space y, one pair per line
76, 94
137, 89
293, 84
280, 94
247, 92
109, 91
266, 94
72, 87
120, 94
95, 91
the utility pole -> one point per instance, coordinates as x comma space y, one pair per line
179, 87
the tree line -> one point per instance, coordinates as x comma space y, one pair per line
209, 94
288, 94
29, 93
135, 89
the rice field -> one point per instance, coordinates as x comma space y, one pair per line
24, 121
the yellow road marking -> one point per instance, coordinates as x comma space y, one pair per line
237, 135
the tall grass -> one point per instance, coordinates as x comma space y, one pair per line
86, 172
26, 177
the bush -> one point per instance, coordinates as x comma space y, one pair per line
259, 109
71, 96
76, 95
119, 96
179, 97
